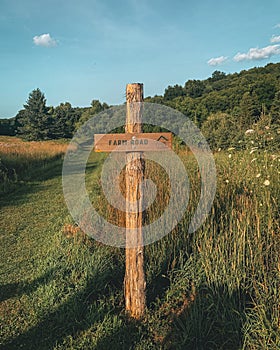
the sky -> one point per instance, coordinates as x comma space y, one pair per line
76, 51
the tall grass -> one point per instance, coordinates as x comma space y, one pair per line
224, 289
19, 160
215, 289
218, 288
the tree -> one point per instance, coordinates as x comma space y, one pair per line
275, 109
249, 111
216, 102
35, 121
7, 127
221, 130
64, 118
194, 88
174, 91
217, 75
96, 107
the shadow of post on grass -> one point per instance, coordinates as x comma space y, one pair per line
81, 310
12, 290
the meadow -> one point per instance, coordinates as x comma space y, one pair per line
215, 289
19, 159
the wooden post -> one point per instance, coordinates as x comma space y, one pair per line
134, 282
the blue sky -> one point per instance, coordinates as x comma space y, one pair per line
77, 51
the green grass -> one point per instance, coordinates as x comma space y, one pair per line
215, 289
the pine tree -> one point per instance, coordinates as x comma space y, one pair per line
35, 121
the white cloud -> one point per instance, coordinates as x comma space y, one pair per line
258, 54
275, 39
44, 40
217, 61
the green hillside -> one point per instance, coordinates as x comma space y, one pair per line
224, 93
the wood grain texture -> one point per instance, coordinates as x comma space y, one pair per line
132, 142
134, 283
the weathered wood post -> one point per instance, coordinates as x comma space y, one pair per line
135, 143
134, 282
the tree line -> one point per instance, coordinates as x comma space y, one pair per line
224, 106
37, 121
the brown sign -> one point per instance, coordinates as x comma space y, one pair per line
132, 142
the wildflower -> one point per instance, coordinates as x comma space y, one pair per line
249, 131
227, 181
266, 127
230, 155
266, 183
258, 175
231, 148
253, 160
219, 150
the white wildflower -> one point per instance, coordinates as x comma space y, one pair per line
249, 131
266, 127
227, 181
266, 183
231, 148
258, 175
230, 155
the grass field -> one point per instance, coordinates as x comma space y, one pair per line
19, 160
215, 289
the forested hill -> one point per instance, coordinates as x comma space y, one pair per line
238, 110
224, 106
229, 93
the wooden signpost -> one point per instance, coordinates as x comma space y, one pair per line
134, 142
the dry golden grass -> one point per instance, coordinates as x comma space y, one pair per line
15, 147
19, 159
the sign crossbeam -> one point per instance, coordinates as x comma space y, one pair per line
132, 142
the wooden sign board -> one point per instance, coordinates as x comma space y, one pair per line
132, 142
